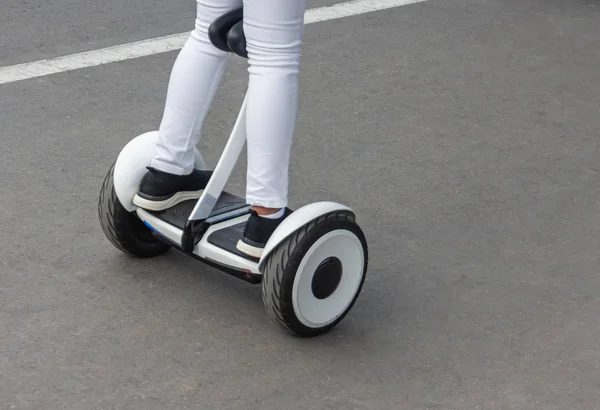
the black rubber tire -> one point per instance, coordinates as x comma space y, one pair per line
281, 266
123, 228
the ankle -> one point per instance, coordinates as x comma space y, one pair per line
262, 211
272, 213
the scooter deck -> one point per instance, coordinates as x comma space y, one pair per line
225, 238
179, 214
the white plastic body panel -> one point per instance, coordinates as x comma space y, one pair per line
131, 165
203, 249
295, 221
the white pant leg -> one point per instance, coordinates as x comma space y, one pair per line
194, 80
274, 31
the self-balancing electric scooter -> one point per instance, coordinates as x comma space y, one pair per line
313, 266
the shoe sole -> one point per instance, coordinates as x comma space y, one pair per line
152, 205
249, 250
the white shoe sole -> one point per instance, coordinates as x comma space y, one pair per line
167, 203
249, 249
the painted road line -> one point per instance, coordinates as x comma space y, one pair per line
165, 44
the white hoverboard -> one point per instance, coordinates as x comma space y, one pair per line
313, 267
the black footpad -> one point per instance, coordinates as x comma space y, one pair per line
179, 214
227, 239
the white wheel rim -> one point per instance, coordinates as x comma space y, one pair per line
345, 246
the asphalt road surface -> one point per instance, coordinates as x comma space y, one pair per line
464, 133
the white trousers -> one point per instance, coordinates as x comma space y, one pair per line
274, 32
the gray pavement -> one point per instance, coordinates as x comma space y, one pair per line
465, 135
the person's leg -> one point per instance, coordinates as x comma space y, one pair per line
274, 33
194, 80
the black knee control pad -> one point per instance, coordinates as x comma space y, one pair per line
236, 40
227, 33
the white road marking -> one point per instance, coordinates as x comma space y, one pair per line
164, 44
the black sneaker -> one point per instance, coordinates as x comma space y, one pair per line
257, 232
160, 190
